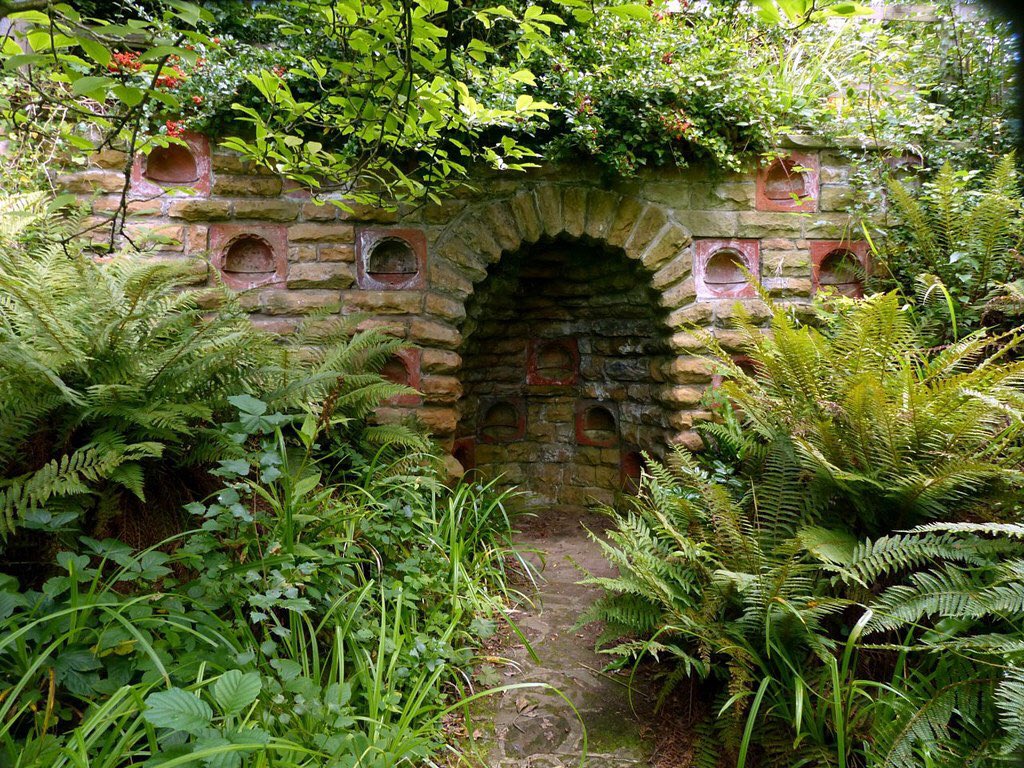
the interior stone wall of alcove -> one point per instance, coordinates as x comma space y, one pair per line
600, 305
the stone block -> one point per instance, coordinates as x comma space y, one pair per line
689, 440
384, 302
602, 207
498, 222
674, 271
371, 214
301, 254
524, 212
648, 226
320, 275
688, 370
670, 241
446, 277
767, 224
87, 182
441, 389
231, 185
440, 361
445, 307
440, 420
344, 253
627, 214
110, 159
199, 209
710, 223
431, 333
574, 210
319, 211
281, 301
686, 341
227, 163
828, 226
837, 197
162, 237
549, 209
267, 210
321, 233
679, 295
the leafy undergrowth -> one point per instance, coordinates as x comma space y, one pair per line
299, 623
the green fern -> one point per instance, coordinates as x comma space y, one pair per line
113, 376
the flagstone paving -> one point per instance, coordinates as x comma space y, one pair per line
537, 728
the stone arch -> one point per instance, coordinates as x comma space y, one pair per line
645, 232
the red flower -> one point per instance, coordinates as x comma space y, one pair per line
171, 80
175, 128
125, 62
279, 70
197, 100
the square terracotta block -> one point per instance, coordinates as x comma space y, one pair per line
841, 265
391, 258
631, 466
404, 368
464, 452
552, 362
597, 423
174, 169
789, 183
717, 267
248, 256
502, 420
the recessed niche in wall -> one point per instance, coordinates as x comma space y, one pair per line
552, 362
719, 268
905, 166
744, 363
404, 368
389, 259
174, 169
631, 468
502, 421
249, 256
840, 266
596, 424
464, 452
789, 184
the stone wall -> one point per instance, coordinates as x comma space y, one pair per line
549, 314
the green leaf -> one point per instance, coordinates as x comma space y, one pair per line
629, 11
89, 85
129, 95
234, 691
95, 51
248, 405
178, 710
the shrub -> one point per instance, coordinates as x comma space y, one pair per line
301, 623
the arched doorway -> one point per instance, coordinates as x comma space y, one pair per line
563, 347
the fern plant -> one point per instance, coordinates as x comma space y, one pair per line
859, 421
112, 376
956, 244
815, 648
854, 595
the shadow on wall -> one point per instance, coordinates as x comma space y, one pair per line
563, 344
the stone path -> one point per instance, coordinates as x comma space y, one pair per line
536, 728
